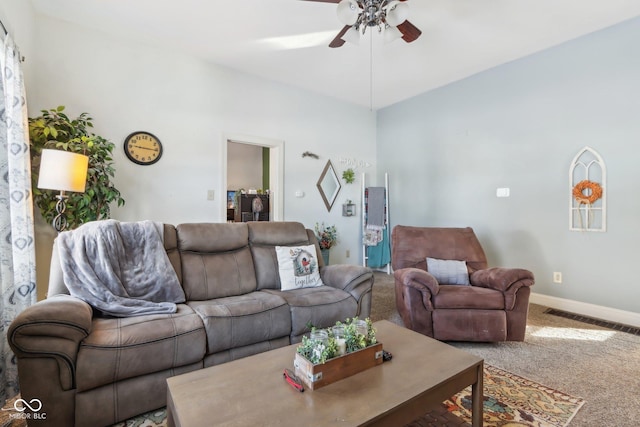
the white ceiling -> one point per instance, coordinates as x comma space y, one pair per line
286, 40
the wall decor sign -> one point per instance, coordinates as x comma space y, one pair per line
588, 192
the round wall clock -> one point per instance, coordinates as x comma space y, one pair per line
143, 148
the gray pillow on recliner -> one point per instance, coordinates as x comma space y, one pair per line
448, 272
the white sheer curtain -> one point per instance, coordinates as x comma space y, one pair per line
17, 249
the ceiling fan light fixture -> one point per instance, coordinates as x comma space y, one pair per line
352, 36
391, 34
348, 12
397, 13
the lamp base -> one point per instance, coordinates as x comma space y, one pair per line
60, 221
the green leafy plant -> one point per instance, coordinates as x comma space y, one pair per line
318, 353
55, 130
327, 235
349, 176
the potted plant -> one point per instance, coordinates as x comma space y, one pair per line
349, 176
54, 129
327, 238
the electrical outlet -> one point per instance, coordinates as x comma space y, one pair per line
348, 253
557, 277
210, 195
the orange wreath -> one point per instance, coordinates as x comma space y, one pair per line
581, 197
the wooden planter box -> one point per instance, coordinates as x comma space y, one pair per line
316, 376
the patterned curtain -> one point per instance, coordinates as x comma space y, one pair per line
17, 250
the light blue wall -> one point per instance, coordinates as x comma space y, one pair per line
519, 126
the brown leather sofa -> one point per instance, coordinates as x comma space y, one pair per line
89, 370
493, 307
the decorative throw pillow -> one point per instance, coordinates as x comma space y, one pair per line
448, 272
298, 267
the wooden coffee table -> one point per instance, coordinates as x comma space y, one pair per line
252, 392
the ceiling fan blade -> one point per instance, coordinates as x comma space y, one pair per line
330, 1
409, 31
337, 41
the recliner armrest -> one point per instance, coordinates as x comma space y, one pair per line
418, 279
52, 328
501, 279
506, 280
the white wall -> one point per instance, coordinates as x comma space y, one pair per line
190, 105
519, 126
18, 17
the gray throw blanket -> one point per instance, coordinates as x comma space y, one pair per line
120, 268
375, 208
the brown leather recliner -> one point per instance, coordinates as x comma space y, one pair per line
493, 307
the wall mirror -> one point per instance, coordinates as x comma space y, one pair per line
329, 185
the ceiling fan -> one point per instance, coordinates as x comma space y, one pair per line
387, 15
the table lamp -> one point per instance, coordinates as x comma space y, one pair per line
62, 171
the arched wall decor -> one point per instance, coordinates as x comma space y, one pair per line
588, 192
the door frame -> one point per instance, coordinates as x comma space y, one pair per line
276, 170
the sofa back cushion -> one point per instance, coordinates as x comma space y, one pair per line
263, 239
56, 280
171, 246
216, 260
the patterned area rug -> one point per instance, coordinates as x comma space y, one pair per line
509, 401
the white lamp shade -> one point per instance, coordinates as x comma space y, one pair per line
397, 13
348, 12
352, 36
391, 34
63, 171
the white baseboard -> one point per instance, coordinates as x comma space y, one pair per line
586, 309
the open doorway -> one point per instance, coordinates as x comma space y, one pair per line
275, 173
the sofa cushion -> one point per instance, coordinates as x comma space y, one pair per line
263, 239
298, 267
242, 320
216, 260
119, 348
453, 296
320, 307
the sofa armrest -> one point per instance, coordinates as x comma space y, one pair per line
506, 280
52, 328
355, 279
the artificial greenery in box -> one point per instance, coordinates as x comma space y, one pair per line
318, 353
54, 129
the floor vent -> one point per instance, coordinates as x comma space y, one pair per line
592, 321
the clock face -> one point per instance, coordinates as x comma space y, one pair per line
142, 148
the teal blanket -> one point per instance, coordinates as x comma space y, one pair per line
379, 255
